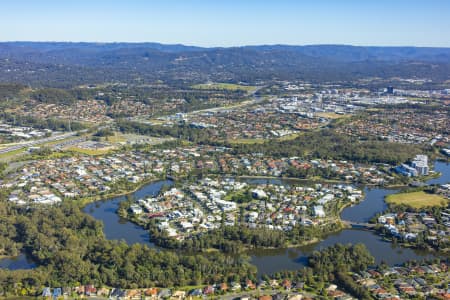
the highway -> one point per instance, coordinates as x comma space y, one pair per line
253, 99
39, 142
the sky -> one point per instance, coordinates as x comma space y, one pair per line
229, 22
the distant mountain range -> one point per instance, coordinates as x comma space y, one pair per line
58, 63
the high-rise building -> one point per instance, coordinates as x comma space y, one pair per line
420, 163
390, 90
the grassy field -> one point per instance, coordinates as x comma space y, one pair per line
246, 141
416, 199
290, 137
89, 151
10, 155
332, 115
419, 99
251, 141
116, 138
223, 86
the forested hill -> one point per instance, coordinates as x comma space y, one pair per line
47, 63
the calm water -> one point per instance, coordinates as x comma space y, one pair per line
372, 204
271, 261
444, 169
267, 261
115, 227
21, 262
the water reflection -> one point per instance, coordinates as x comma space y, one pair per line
270, 261
273, 260
444, 168
117, 228
21, 262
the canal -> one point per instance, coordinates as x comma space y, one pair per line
117, 228
273, 260
267, 260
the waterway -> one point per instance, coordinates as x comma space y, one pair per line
273, 260
443, 168
21, 262
117, 228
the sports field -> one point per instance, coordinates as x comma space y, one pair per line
416, 199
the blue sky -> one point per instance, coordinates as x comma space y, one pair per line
230, 22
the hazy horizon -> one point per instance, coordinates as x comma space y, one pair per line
232, 23
213, 47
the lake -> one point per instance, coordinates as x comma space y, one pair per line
272, 260
20, 262
444, 168
269, 261
117, 228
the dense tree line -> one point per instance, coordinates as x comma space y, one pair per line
152, 93
339, 260
184, 132
106, 132
3, 166
228, 239
417, 107
73, 65
51, 123
10, 90
332, 264
326, 173
238, 238
328, 144
54, 96
345, 281
61, 96
69, 248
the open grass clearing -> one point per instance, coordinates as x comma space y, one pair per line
246, 141
8, 156
92, 152
224, 86
332, 115
251, 141
116, 138
416, 199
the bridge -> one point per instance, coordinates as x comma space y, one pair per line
358, 224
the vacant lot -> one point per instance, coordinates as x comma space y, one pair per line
416, 199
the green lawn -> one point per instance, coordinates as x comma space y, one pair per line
416, 199
116, 138
10, 155
332, 115
251, 141
92, 152
246, 141
223, 86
